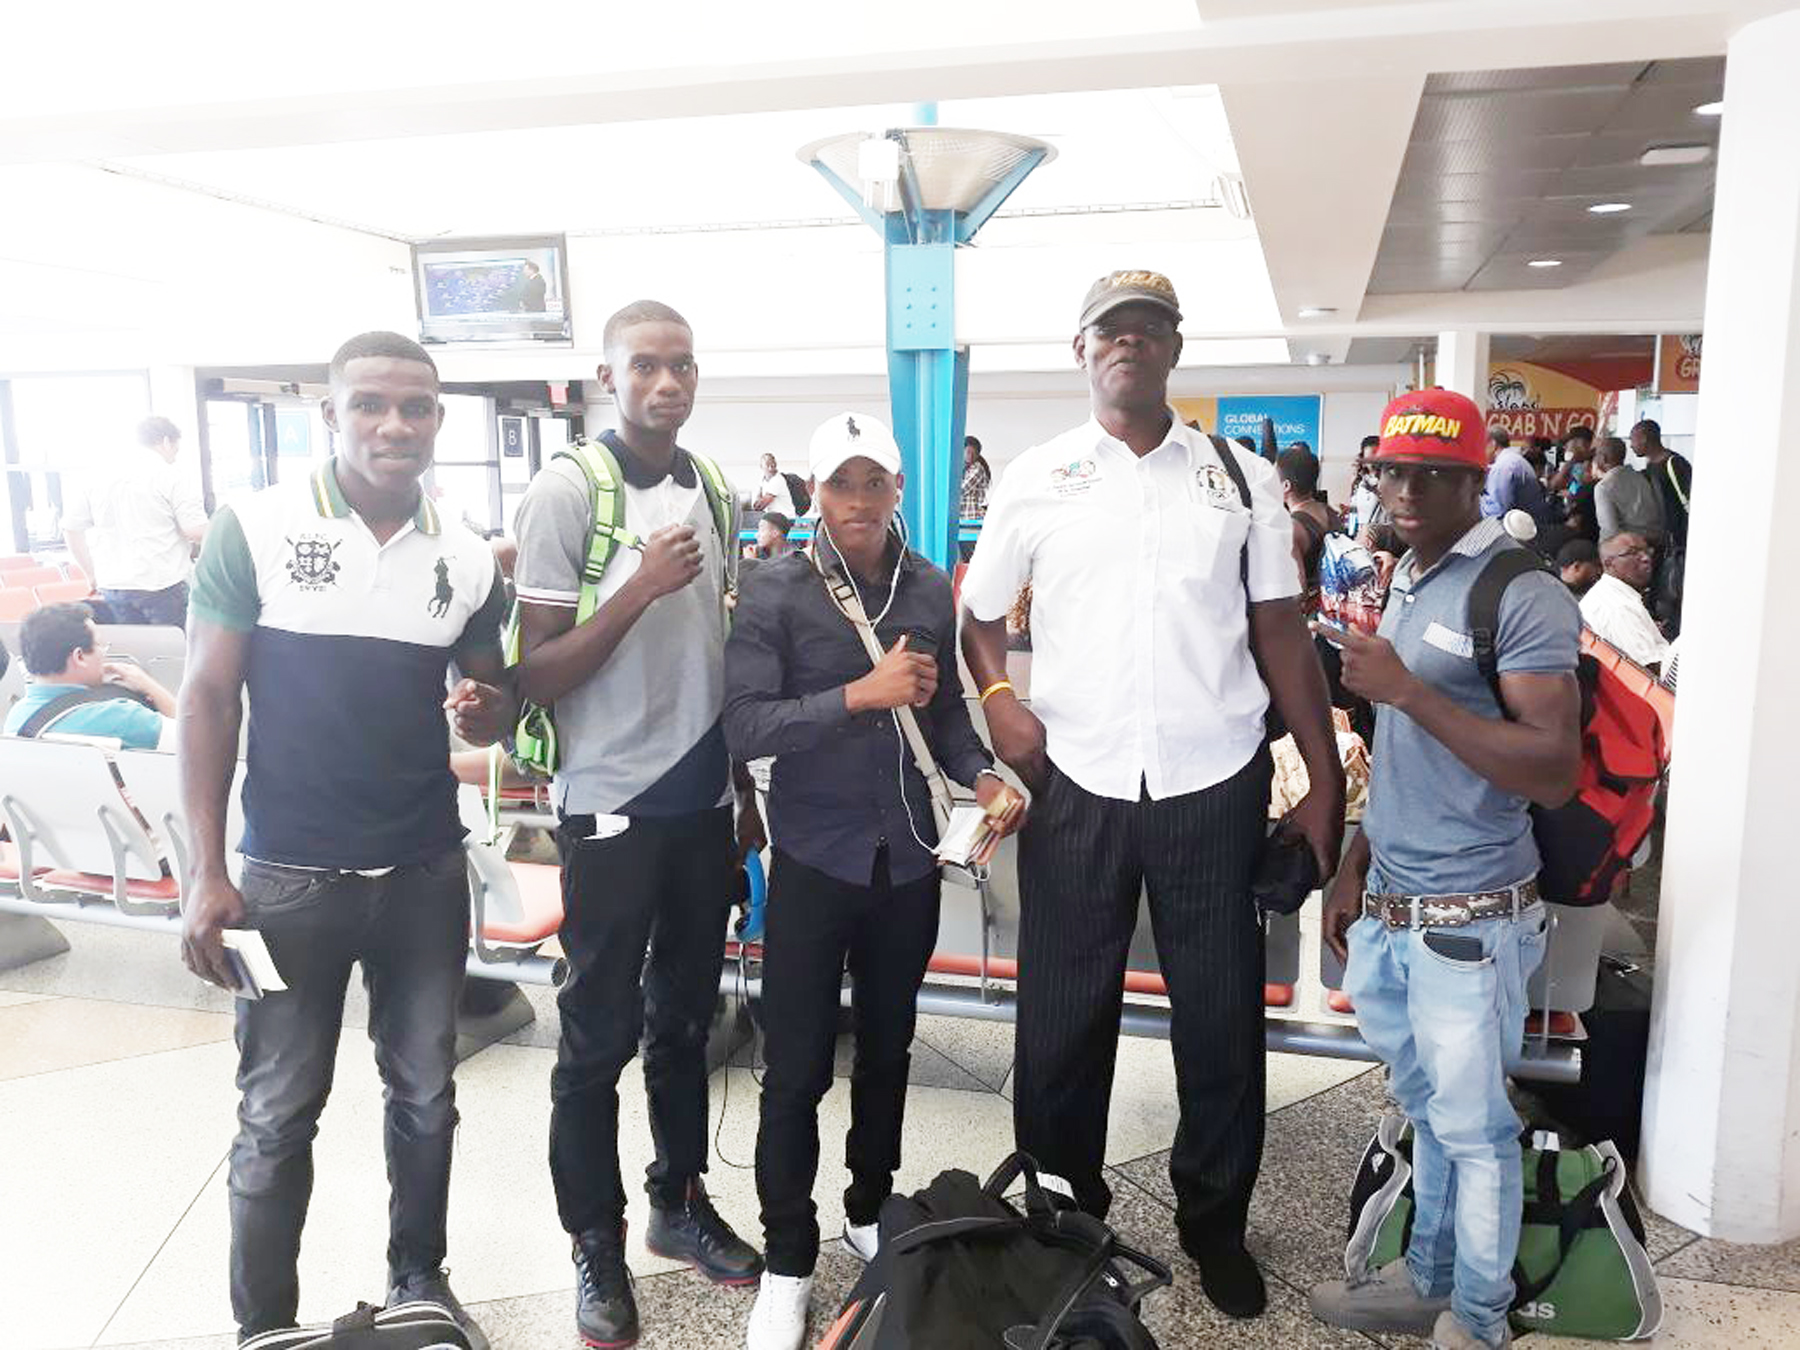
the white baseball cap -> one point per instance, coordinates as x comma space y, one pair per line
843, 437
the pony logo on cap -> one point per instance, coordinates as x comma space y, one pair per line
851, 430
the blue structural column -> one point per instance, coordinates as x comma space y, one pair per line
928, 384
928, 373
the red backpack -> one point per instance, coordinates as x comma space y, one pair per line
1588, 841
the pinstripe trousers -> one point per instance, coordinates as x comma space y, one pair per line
1083, 862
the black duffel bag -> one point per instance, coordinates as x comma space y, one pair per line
960, 1268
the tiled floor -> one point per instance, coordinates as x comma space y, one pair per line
116, 1104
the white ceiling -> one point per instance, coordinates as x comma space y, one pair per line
1116, 148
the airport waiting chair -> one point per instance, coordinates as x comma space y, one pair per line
13, 562
61, 592
24, 578
153, 784
78, 838
514, 907
161, 649
15, 604
12, 683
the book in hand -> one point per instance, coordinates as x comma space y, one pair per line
969, 839
252, 968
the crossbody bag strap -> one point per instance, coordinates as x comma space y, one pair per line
59, 707
850, 605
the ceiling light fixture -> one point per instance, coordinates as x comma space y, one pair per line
1316, 311
1661, 156
1608, 208
1714, 109
1545, 262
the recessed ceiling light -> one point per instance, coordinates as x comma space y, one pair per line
1316, 311
1662, 155
1608, 208
1711, 109
1545, 262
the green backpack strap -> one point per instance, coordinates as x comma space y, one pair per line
601, 470
724, 511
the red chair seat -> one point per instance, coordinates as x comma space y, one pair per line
1136, 981
1339, 1002
98, 883
9, 862
540, 890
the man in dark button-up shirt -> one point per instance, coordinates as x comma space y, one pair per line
835, 795
854, 882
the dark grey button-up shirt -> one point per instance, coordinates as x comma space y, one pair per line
836, 793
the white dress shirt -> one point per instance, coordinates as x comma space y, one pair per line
1617, 613
136, 507
1141, 666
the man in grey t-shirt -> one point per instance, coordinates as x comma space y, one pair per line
1443, 872
1625, 501
643, 795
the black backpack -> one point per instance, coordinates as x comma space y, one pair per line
959, 1268
797, 490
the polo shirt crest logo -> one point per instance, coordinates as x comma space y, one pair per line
439, 604
1074, 478
312, 567
1217, 485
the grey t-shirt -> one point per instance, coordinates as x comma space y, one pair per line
1435, 826
642, 736
1625, 501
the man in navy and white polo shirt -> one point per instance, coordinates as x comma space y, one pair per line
1436, 904
339, 601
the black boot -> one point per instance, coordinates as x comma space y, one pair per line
695, 1233
605, 1312
1228, 1274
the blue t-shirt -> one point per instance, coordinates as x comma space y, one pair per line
133, 725
1435, 826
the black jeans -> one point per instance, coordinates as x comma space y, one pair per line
665, 885
813, 923
167, 606
1083, 862
409, 929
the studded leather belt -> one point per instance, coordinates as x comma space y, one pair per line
1450, 911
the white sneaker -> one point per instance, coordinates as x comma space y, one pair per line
863, 1239
778, 1321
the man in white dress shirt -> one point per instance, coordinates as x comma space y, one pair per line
1163, 619
1614, 605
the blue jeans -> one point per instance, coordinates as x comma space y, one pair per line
1448, 1029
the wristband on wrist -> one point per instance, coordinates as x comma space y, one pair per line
993, 689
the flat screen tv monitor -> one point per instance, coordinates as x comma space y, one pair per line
493, 290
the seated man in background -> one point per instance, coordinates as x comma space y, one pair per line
1614, 606
1578, 564
771, 538
75, 690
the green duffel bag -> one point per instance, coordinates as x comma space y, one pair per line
1581, 1270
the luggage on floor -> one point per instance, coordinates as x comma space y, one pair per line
961, 1269
1581, 1270
409, 1326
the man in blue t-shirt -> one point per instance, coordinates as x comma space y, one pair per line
75, 690
1436, 906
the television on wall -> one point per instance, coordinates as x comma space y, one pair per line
512, 289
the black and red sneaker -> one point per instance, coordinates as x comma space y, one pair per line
695, 1233
605, 1311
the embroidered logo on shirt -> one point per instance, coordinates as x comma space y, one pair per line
439, 604
1217, 484
312, 567
1074, 478
1446, 640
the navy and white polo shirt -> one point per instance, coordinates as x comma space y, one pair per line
349, 763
